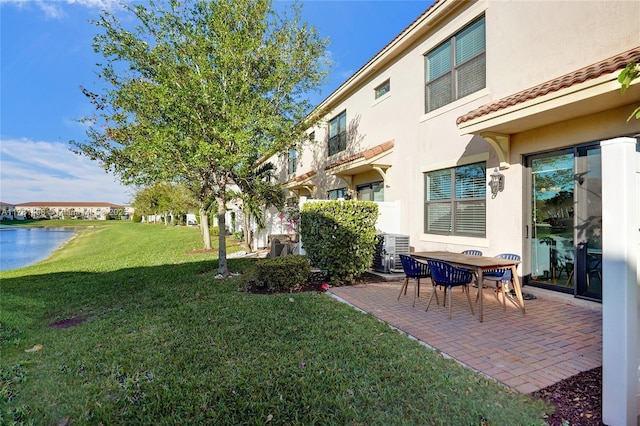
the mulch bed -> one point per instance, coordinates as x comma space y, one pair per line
578, 399
315, 284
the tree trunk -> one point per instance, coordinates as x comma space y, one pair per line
222, 242
204, 228
246, 232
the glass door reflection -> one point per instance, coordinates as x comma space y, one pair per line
552, 242
588, 276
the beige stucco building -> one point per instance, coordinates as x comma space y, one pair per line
70, 210
523, 90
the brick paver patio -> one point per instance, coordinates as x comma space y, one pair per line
551, 342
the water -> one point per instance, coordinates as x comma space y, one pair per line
20, 247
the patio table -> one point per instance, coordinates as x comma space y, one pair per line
477, 264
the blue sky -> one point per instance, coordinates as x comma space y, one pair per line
47, 54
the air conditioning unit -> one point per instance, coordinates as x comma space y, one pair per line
389, 247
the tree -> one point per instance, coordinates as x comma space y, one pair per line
257, 191
165, 198
197, 90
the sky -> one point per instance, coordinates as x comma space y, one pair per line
46, 54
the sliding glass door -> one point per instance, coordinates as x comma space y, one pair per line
588, 276
564, 230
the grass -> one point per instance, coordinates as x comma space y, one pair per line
166, 343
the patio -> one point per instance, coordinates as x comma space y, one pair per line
558, 337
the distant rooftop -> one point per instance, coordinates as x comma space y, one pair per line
65, 204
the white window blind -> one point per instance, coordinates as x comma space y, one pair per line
457, 67
455, 201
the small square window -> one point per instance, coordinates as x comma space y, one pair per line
383, 89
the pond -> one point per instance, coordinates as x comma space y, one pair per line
20, 246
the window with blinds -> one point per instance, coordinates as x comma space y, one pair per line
373, 191
455, 201
457, 67
334, 194
338, 133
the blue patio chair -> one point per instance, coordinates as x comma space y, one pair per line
594, 266
472, 252
415, 269
502, 277
448, 276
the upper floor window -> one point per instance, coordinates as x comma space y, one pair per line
455, 201
292, 161
383, 89
457, 67
338, 133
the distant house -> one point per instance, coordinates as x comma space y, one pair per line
92, 210
7, 211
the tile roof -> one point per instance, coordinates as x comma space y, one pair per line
366, 155
302, 177
68, 204
587, 73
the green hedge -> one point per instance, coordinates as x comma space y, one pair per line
282, 273
339, 236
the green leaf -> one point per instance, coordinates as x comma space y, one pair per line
635, 113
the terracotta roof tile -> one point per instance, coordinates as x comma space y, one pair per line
302, 177
367, 154
587, 73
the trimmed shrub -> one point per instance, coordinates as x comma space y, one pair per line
282, 273
339, 236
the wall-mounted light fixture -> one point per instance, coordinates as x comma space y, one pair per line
496, 183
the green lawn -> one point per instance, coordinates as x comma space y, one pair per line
166, 343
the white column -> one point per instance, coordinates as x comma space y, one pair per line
620, 198
301, 202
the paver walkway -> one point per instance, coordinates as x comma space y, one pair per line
551, 342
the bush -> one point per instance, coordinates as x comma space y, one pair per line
282, 273
137, 218
339, 236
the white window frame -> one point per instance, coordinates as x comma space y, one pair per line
455, 200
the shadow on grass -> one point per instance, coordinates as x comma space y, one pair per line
39, 299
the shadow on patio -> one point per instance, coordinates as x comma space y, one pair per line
554, 340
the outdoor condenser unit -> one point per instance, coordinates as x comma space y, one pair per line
389, 247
